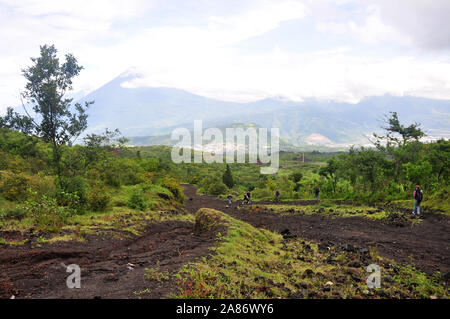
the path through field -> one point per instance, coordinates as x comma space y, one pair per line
427, 244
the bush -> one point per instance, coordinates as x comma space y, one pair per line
131, 172
98, 199
15, 187
72, 191
137, 200
111, 174
43, 185
174, 187
296, 177
70, 200
16, 213
150, 165
49, 217
217, 188
418, 173
206, 219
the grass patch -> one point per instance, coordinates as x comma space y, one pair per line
156, 273
327, 208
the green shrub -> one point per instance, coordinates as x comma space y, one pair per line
15, 187
77, 186
217, 188
43, 185
48, 216
98, 199
137, 200
418, 173
174, 187
111, 174
296, 177
16, 213
206, 219
150, 165
71, 200
49, 223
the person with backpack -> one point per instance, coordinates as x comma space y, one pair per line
230, 199
418, 197
277, 196
316, 192
245, 201
249, 197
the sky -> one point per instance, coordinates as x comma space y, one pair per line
237, 50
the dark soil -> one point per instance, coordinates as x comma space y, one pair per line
29, 272
427, 244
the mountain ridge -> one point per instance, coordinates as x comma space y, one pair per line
152, 111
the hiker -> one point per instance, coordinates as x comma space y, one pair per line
418, 196
277, 195
249, 196
316, 192
230, 198
245, 201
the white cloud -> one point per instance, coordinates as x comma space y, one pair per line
205, 62
371, 30
205, 57
424, 21
420, 22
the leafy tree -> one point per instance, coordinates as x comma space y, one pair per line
227, 177
55, 120
418, 173
330, 172
396, 138
370, 165
14, 121
439, 158
297, 177
399, 134
97, 145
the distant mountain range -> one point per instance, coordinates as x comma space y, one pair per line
148, 115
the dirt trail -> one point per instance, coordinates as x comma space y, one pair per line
29, 272
427, 244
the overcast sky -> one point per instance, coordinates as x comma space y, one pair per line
235, 49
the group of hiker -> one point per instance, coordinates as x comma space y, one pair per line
247, 196
417, 194
246, 200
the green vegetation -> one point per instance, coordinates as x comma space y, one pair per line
337, 210
255, 263
96, 179
228, 177
62, 191
54, 121
384, 174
